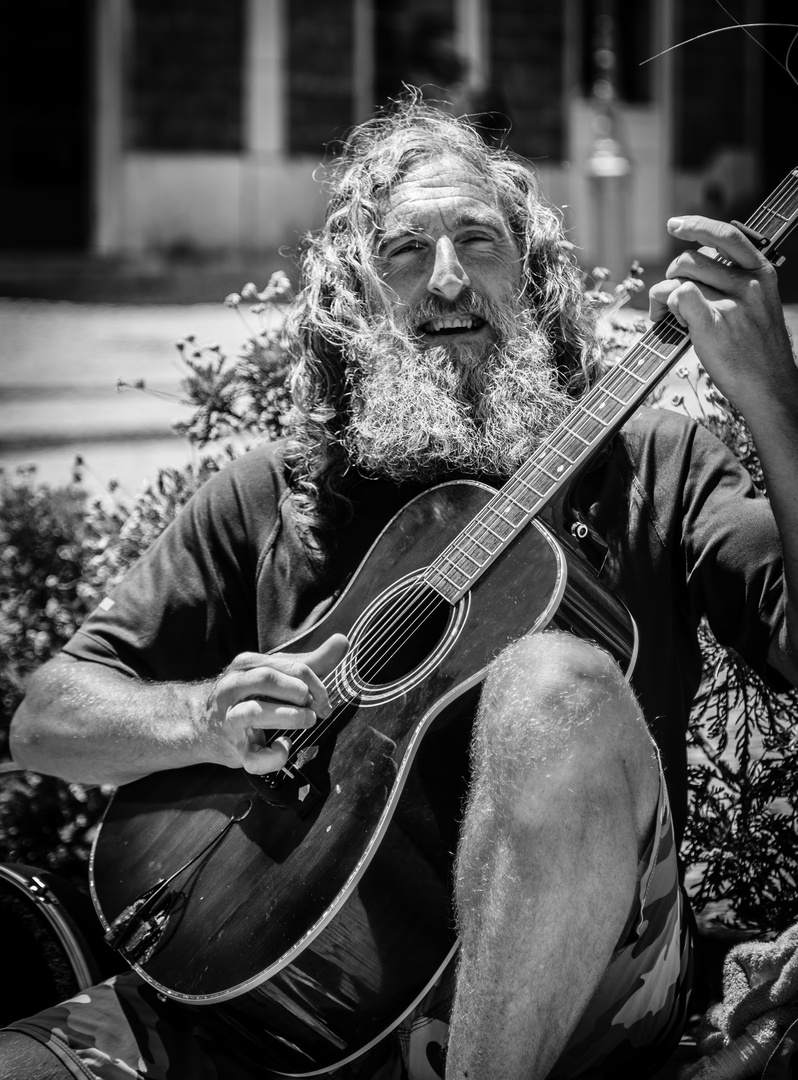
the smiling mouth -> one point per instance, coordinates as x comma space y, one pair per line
452, 324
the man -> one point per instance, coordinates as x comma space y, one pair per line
440, 334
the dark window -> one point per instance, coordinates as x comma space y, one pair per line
45, 119
527, 49
319, 68
187, 75
712, 83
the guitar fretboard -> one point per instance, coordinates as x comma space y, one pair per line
597, 416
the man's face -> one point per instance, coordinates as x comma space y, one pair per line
448, 255
462, 378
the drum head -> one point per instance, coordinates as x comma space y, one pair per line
50, 940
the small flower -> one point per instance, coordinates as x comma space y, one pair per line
233, 300
250, 291
677, 399
682, 371
278, 288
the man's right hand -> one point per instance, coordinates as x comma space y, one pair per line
93, 725
259, 693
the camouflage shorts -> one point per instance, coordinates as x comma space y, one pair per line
121, 1029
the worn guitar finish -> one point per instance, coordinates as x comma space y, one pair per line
309, 911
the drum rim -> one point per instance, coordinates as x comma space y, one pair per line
34, 883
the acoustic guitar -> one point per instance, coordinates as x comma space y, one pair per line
306, 912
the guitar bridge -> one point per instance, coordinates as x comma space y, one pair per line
287, 789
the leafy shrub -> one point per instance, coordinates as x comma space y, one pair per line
61, 553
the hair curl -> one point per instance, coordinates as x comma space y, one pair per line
342, 289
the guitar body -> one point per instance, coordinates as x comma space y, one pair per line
318, 908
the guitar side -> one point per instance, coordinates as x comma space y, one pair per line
319, 918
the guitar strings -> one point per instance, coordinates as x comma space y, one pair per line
395, 632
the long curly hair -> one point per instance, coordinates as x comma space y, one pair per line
342, 289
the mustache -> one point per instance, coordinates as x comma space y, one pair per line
468, 302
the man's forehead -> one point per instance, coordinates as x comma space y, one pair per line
445, 188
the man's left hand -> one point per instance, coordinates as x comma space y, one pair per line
734, 313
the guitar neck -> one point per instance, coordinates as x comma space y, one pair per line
600, 413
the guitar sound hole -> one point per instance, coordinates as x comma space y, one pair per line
399, 636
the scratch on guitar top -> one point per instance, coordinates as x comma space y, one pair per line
385, 738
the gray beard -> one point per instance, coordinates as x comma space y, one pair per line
422, 413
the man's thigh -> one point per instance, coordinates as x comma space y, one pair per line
638, 1012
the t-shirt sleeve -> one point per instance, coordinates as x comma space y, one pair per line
186, 607
733, 552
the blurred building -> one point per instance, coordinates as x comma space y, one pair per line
198, 125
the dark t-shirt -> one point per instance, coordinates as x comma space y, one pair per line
687, 536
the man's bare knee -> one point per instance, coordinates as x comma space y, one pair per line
554, 703
553, 683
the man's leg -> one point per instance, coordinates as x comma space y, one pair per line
564, 792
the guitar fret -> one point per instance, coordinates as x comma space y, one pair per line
463, 554
614, 397
487, 550
564, 456
529, 486
655, 352
506, 494
506, 521
456, 584
492, 532
593, 416
639, 378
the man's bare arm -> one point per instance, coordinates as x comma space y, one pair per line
89, 723
736, 322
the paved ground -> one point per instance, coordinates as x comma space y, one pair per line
59, 367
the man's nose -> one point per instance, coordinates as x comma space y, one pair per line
448, 275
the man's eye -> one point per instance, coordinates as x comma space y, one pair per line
404, 247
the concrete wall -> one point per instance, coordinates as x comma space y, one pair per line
217, 202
